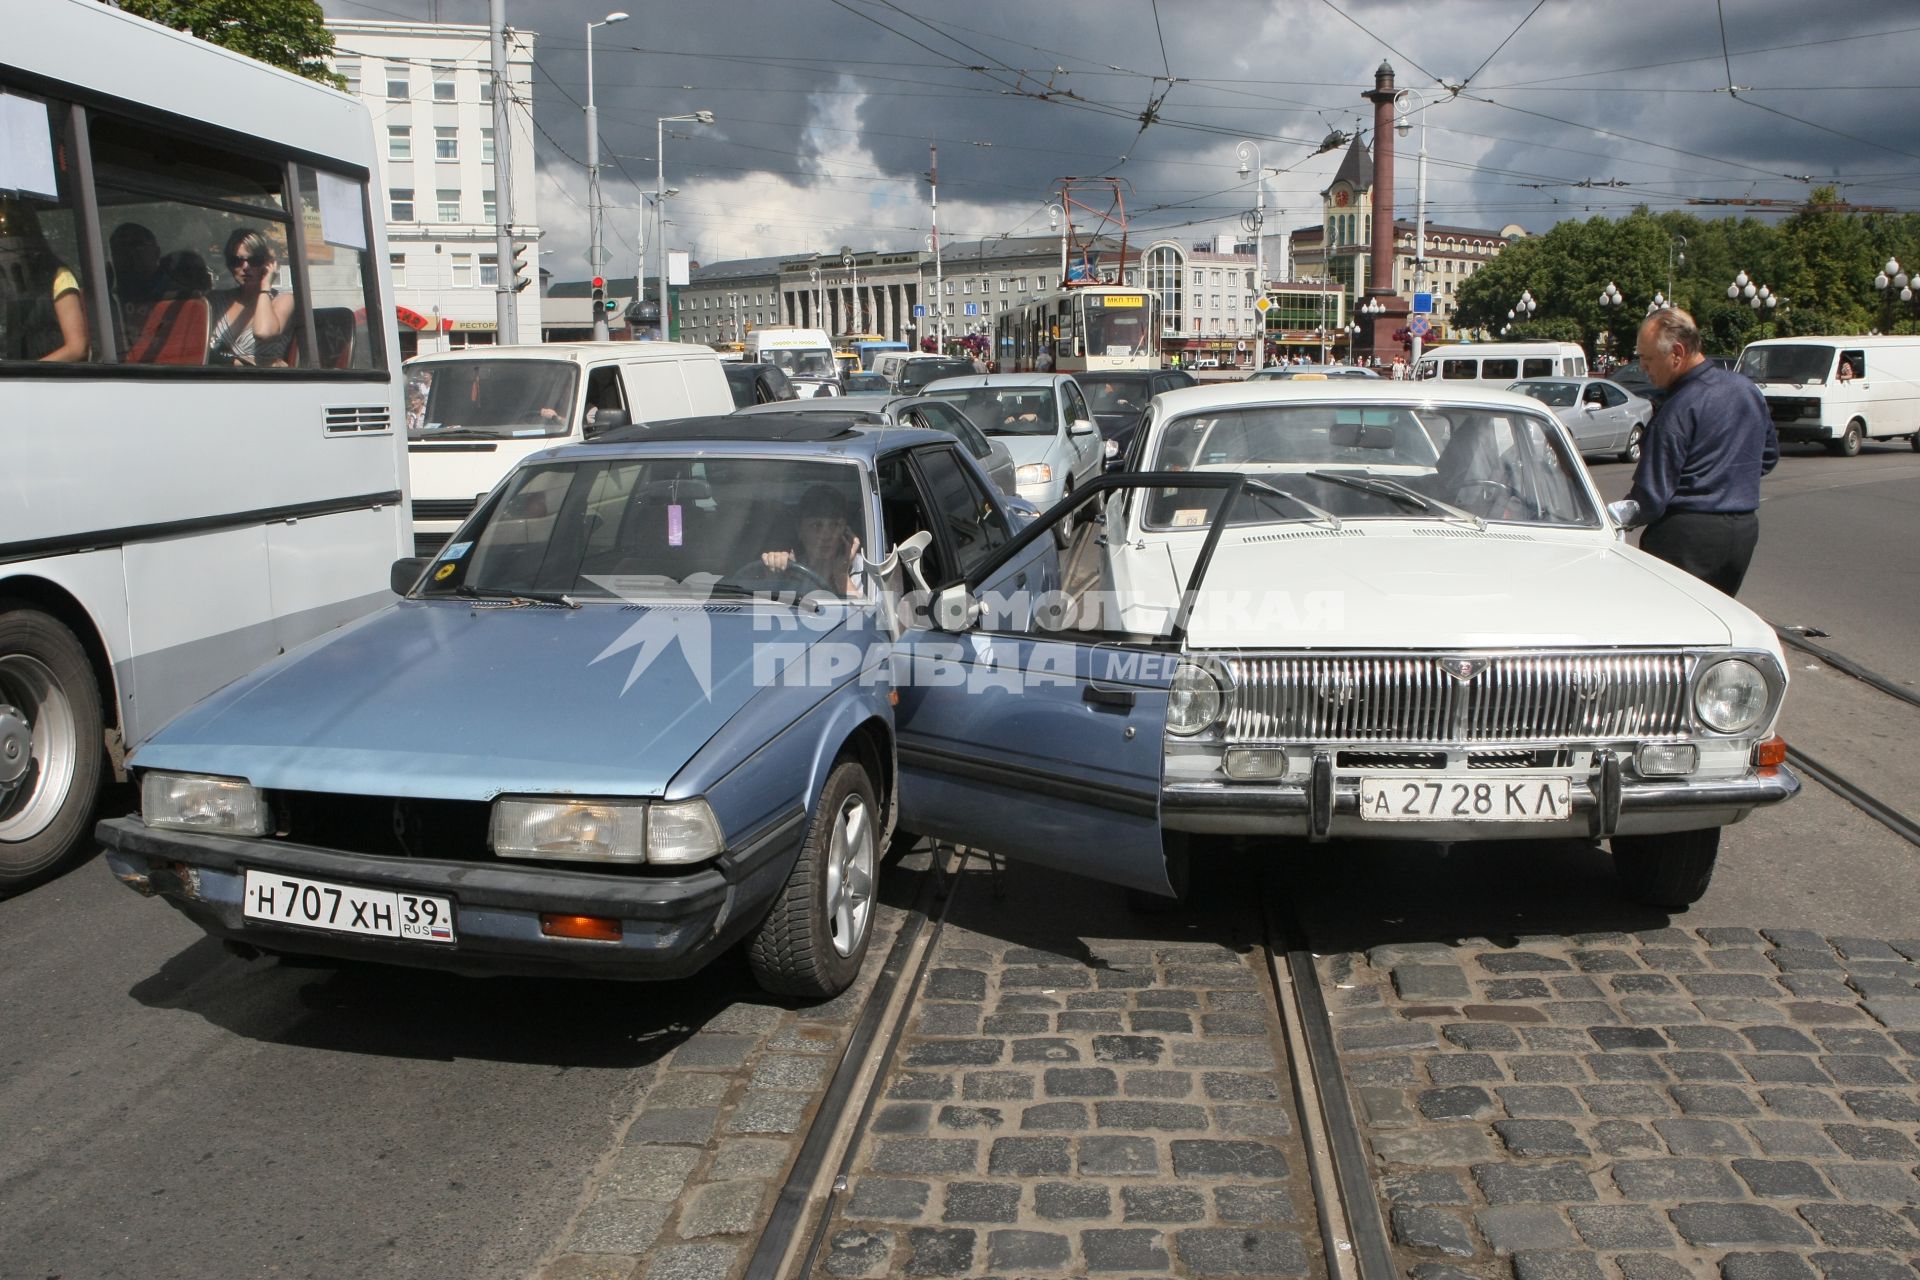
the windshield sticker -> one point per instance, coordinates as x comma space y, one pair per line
1187, 517
455, 550
676, 530
444, 572
528, 431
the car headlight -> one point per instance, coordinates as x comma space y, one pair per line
1033, 473
195, 802
1113, 448
1731, 696
570, 830
1194, 700
682, 832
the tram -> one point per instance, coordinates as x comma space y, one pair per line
1090, 326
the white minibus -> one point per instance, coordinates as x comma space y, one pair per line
1502, 363
804, 355
1839, 391
201, 460
473, 414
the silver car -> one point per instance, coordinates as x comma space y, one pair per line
911, 411
1044, 421
1602, 416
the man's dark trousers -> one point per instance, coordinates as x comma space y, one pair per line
1713, 546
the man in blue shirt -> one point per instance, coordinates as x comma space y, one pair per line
1697, 488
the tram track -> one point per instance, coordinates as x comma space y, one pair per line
1353, 1232
1881, 811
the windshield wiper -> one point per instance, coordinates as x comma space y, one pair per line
1326, 517
517, 597
452, 433
734, 591
1400, 493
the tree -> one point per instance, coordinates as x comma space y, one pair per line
291, 34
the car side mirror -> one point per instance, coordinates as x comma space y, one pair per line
909, 553
955, 609
605, 420
1082, 427
405, 573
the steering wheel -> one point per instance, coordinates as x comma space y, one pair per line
757, 571
1495, 493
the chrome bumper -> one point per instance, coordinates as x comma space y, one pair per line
1605, 804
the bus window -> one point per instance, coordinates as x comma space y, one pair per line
1537, 367
339, 273
44, 314
1460, 370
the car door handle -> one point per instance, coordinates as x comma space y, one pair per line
1118, 699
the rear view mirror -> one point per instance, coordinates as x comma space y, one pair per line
1356, 435
405, 573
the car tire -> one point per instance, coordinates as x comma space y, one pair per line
1848, 445
1179, 851
816, 932
1914, 440
1632, 452
1670, 870
48, 682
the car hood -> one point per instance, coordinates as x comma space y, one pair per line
1430, 586
461, 702
1025, 449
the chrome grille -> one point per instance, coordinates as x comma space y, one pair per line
1412, 698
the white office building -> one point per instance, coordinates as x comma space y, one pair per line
429, 86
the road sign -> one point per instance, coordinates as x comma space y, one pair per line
919, 310
1423, 302
1419, 326
1261, 305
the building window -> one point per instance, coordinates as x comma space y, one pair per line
463, 271
486, 87
449, 202
489, 207
443, 82
966, 287
1040, 284
1020, 285
350, 72
397, 83
399, 142
397, 267
446, 143
486, 146
400, 204
489, 270
1003, 287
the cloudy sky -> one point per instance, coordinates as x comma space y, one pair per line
825, 109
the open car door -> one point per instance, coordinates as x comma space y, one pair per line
1035, 726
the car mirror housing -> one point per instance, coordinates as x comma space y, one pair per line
1082, 427
606, 420
405, 573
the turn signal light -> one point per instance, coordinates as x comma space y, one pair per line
1770, 753
587, 928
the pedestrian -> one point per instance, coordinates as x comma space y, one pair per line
1697, 488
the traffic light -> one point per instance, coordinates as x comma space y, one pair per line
599, 293
520, 277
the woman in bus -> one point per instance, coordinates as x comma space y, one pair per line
251, 321
46, 318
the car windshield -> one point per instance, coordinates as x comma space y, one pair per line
1377, 462
1113, 395
1793, 363
622, 528
1117, 326
796, 362
1005, 411
918, 373
491, 399
1559, 395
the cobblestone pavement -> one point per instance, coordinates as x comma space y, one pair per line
1083, 1091
684, 1193
1666, 1105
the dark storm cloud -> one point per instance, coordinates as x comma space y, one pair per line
826, 109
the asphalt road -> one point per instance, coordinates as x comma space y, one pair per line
169, 1110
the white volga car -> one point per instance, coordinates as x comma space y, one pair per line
1389, 610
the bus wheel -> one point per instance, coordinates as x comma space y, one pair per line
1848, 445
1914, 440
50, 745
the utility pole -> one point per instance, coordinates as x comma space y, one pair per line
506, 305
939, 305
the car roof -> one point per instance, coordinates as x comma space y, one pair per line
1227, 395
1573, 380
581, 352
970, 380
802, 434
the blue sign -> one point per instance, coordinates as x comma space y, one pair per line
1423, 302
973, 308
919, 310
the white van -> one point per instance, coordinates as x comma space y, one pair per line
804, 355
1839, 391
1502, 363
473, 414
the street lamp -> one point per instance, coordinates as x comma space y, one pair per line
1403, 126
813, 275
1676, 252
1372, 309
594, 252
853, 284
1611, 300
1056, 218
1891, 276
1756, 295
659, 205
1523, 310
1254, 222
1659, 303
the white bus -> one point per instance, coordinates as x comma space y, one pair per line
1089, 326
201, 455
804, 355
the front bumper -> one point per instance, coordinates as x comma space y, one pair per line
1606, 803
670, 927
1804, 433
